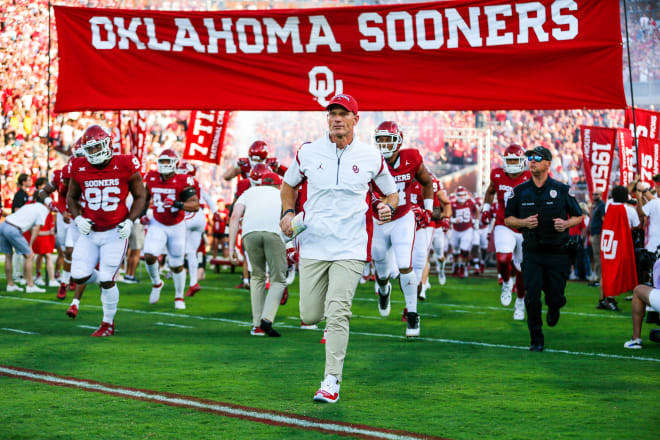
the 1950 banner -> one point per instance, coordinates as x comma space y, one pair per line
444, 55
598, 152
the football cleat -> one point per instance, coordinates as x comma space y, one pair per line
404, 314
192, 290
329, 391
308, 326
634, 344
413, 325
72, 312
72, 286
106, 329
154, 296
384, 300
61, 292
179, 304
325, 332
256, 331
507, 289
519, 310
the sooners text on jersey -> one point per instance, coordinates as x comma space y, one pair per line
504, 185
104, 189
161, 190
404, 170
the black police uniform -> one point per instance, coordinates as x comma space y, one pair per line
546, 263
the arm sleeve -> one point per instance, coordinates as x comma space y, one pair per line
384, 179
294, 175
511, 205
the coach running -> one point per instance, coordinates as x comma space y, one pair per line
544, 209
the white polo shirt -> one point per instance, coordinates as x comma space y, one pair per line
336, 208
263, 206
29, 215
652, 211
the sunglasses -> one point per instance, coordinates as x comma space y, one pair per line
536, 158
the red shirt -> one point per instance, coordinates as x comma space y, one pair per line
220, 221
464, 213
404, 170
104, 189
504, 185
241, 187
244, 164
161, 190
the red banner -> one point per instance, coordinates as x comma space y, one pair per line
617, 253
648, 156
137, 136
443, 55
646, 120
627, 158
598, 151
206, 135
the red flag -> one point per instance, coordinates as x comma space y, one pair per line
627, 158
206, 135
598, 151
646, 120
450, 55
617, 255
648, 155
137, 136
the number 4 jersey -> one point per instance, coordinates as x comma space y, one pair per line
104, 189
161, 190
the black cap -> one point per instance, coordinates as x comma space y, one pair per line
541, 151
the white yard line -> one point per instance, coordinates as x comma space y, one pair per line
19, 331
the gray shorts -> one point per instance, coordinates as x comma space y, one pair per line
12, 240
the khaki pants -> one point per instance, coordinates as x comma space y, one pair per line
265, 247
326, 290
595, 266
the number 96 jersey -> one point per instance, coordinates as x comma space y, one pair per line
104, 189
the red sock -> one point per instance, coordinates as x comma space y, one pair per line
520, 285
504, 265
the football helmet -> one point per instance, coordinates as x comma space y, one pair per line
167, 161
258, 172
258, 152
187, 168
393, 138
95, 144
77, 149
514, 159
461, 194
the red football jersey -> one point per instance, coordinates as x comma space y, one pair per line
220, 221
504, 185
404, 170
104, 189
244, 164
437, 186
167, 189
61, 190
464, 213
241, 187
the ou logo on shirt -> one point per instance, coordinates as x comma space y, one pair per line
608, 244
322, 84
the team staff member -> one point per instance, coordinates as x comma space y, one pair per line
544, 209
334, 247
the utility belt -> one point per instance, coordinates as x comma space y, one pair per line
569, 247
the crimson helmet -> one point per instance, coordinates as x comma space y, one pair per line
258, 172
514, 159
258, 152
187, 168
393, 138
461, 194
95, 144
167, 161
77, 148
272, 179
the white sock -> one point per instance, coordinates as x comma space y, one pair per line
75, 302
65, 277
94, 278
109, 299
409, 287
154, 273
193, 264
179, 283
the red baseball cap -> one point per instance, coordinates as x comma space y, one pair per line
345, 101
271, 179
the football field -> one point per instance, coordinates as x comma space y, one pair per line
198, 374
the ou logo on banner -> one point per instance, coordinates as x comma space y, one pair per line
608, 244
322, 84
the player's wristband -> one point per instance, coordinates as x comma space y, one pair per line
428, 204
391, 207
286, 212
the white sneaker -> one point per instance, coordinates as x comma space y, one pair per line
53, 283
442, 278
308, 326
155, 293
34, 289
290, 275
329, 391
384, 300
14, 288
179, 304
39, 281
635, 344
507, 288
20, 281
519, 310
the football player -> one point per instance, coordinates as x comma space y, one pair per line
464, 211
508, 242
441, 216
257, 154
171, 195
104, 221
405, 165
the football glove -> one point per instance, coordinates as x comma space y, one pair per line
124, 228
145, 220
445, 224
83, 224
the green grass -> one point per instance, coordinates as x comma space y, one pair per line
439, 385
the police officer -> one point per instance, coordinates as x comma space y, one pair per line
544, 210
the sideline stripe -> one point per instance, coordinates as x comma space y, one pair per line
352, 332
19, 331
167, 324
221, 408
